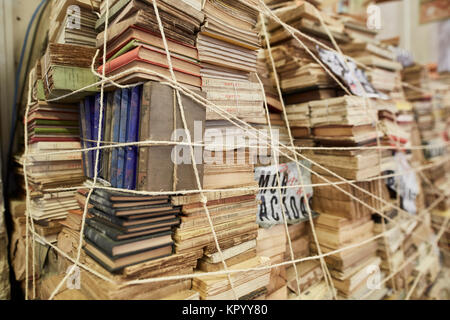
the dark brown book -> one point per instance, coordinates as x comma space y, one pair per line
156, 166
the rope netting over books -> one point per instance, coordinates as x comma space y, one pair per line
290, 151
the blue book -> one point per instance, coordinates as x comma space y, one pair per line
82, 137
88, 117
95, 127
124, 107
132, 136
115, 135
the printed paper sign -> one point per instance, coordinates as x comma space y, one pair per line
293, 199
343, 70
405, 183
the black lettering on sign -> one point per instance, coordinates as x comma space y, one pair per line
264, 182
274, 184
294, 208
274, 213
284, 183
263, 209
286, 210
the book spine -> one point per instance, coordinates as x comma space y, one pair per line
87, 113
95, 133
111, 219
144, 135
82, 137
100, 240
231, 85
101, 200
132, 136
102, 228
124, 107
120, 61
107, 136
234, 97
115, 135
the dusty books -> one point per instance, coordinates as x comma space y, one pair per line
328, 199
271, 243
232, 217
135, 48
417, 77
137, 114
52, 128
227, 46
347, 267
218, 287
126, 229
81, 32
66, 68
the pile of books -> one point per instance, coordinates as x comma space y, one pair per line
271, 243
345, 121
347, 268
126, 229
66, 68
80, 32
417, 79
390, 248
233, 214
135, 49
141, 113
93, 287
228, 45
73, 22
52, 128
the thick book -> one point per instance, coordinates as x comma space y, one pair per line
114, 248
125, 196
105, 206
134, 33
132, 136
136, 50
113, 265
88, 135
115, 129
106, 153
120, 233
124, 108
135, 59
156, 163
150, 218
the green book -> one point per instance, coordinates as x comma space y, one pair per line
56, 130
46, 122
63, 80
136, 43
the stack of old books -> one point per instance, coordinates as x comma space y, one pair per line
228, 46
73, 22
52, 128
309, 272
135, 48
347, 268
271, 243
66, 68
424, 114
390, 247
345, 121
80, 32
417, 79
263, 69
142, 113
233, 214
127, 229
93, 287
